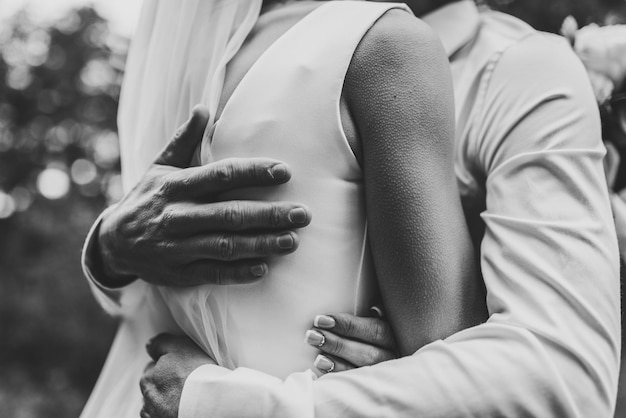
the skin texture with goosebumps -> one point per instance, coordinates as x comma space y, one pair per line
403, 110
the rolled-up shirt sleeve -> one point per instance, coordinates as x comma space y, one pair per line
122, 301
550, 263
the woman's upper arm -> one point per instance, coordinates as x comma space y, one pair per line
399, 92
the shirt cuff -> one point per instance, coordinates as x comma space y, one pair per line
241, 393
112, 299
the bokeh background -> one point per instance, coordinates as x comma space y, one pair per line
61, 66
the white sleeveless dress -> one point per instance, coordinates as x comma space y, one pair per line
287, 108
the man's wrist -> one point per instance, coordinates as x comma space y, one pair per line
95, 263
109, 277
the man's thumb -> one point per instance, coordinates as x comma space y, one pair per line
180, 150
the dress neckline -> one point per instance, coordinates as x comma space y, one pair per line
263, 57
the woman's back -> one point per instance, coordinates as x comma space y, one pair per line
287, 107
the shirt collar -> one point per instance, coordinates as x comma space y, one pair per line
456, 24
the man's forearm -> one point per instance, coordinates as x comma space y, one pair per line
491, 370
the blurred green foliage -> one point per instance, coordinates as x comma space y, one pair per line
59, 166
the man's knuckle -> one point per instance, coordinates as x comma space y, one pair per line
382, 355
125, 233
225, 247
186, 182
384, 333
252, 171
275, 216
168, 215
261, 246
348, 327
167, 358
233, 214
166, 187
378, 332
216, 276
338, 347
171, 248
372, 356
223, 173
150, 182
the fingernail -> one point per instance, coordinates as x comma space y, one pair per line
376, 312
258, 270
297, 216
286, 242
314, 338
324, 321
279, 172
324, 363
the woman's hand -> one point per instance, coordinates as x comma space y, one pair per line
174, 358
347, 341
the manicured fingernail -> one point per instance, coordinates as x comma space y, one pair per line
297, 216
324, 363
286, 242
258, 270
324, 321
314, 338
376, 312
279, 172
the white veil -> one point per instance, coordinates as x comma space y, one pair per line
178, 59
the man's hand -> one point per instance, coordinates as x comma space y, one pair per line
174, 358
170, 230
347, 341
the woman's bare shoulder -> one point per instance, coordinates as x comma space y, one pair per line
398, 50
399, 64
395, 38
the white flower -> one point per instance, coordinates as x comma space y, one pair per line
603, 51
602, 85
569, 29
